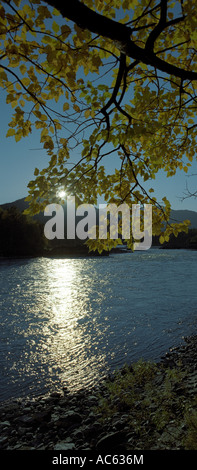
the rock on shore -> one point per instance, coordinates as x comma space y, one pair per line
64, 421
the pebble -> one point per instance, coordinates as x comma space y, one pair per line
64, 445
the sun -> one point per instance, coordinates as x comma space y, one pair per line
61, 194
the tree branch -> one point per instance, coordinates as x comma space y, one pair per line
159, 28
119, 33
118, 82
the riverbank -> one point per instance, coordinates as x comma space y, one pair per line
144, 406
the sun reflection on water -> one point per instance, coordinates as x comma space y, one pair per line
70, 339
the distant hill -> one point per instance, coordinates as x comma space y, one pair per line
180, 215
21, 205
176, 215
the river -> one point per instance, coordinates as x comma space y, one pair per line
67, 322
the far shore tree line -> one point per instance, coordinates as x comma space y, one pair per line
22, 235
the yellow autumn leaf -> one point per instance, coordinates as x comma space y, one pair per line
18, 136
56, 12
10, 132
26, 81
65, 106
76, 108
55, 27
87, 113
161, 239
18, 86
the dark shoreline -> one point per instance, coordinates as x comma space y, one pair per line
83, 252
68, 421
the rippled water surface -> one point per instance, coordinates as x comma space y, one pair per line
66, 322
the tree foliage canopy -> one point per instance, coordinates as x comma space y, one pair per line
106, 84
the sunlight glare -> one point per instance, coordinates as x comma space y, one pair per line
70, 339
61, 194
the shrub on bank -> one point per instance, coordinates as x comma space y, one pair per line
159, 409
